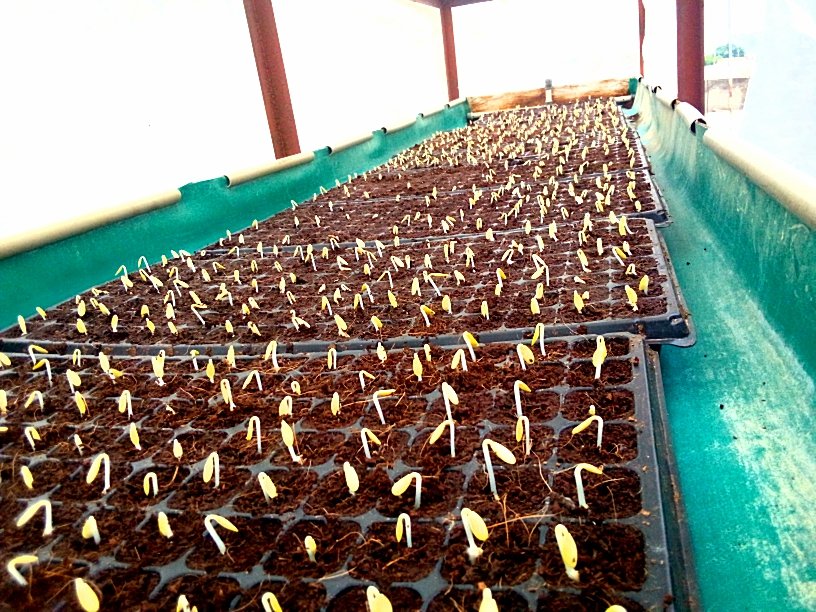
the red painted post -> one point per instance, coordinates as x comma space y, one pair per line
690, 53
274, 87
642, 25
450, 52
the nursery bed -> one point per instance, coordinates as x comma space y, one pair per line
622, 539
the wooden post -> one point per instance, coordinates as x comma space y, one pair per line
690, 53
642, 23
450, 52
274, 87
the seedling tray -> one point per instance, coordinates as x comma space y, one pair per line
621, 539
660, 315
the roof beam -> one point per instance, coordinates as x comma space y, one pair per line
272, 74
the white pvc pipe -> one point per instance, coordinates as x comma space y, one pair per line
793, 189
29, 241
243, 176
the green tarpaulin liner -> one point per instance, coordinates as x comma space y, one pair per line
52, 273
741, 401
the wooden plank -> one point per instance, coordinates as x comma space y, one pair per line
537, 97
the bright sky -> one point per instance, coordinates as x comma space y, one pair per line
104, 102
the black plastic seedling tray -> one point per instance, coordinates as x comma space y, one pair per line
266, 554
666, 322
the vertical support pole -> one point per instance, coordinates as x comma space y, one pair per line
450, 52
274, 87
690, 53
642, 24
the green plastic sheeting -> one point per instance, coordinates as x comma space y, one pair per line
55, 272
741, 401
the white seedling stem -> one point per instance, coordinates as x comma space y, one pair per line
579, 483
94, 470
11, 567
586, 423
32, 509
255, 426
208, 524
517, 387
406, 522
376, 398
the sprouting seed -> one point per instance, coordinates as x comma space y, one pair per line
459, 360
426, 314
488, 604
11, 567
587, 422
599, 356
90, 530
518, 387
78, 443
485, 310
471, 343
368, 436
440, 429
331, 358
254, 426
178, 451
475, 527
31, 434
381, 352
523, 431
631, 297
74, 381
269, 603
225, 523
270, 491
568, 550
416, 365
376, 398
525, 355
311, 548
212, 467
643, 285
578, 301
226, 393
272, 350
80, 402
285, 406
27, 476
32, 509
579, 483
376, 322
503, 453
150, 481
449, 397
377, 602
22, 324
538, 335
86, 595
94, 470
157, 362
362, 376
288, 435
404, 523
133, 433
352, 480
401, 485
